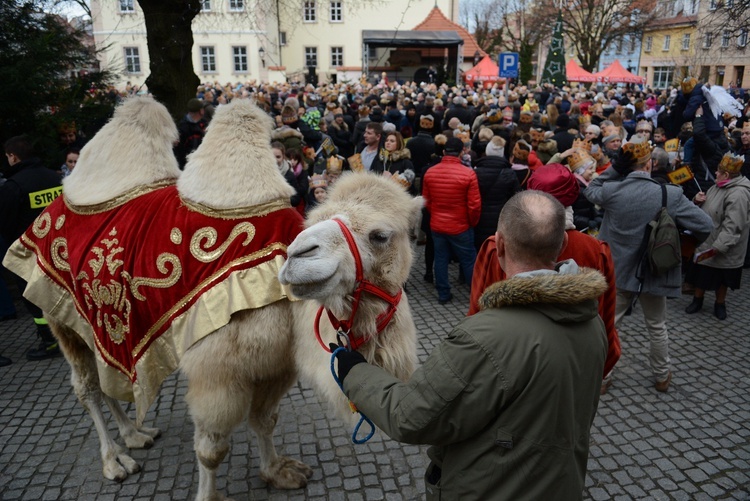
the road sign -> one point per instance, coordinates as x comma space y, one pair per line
508, 63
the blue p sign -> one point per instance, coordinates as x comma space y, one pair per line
508, 63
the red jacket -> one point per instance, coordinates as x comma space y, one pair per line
587, 252
451, 193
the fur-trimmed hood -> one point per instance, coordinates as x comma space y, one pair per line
399, 155
285, 133
552, 288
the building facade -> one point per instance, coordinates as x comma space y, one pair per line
724, 56
668, 45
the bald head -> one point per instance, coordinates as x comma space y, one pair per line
532, 225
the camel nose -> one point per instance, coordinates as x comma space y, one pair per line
309, 250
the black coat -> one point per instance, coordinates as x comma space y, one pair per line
497, 184
564, 139
422, 147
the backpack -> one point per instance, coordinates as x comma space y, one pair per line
663, 250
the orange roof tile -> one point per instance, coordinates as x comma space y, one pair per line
436, 21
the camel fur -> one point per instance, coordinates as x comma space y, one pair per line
234, 169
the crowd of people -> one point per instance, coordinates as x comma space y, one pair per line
525, 188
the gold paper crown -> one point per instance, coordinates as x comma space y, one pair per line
584, 119
731, 163
318, 181
579, 158
640, 149
688, 84
582, 144
334, 165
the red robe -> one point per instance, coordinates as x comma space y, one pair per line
587, 252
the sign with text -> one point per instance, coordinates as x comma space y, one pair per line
508, 63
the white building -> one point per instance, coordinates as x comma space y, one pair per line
242, 40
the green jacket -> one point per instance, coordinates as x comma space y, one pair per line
508, 398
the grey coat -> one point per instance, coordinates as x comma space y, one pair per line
629, 205
729, 208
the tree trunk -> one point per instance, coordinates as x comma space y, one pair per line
169, 34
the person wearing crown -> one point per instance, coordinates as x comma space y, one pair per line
630, 199
719, 260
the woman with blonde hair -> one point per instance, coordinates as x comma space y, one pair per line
552, 114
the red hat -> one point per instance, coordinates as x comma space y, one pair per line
558, 181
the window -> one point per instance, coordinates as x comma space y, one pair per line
619, 45
336, 14
649, 43
712, 5
240, 59
208, 60
337, 56
310, 14
742, 39
667, 41
205, 5
311, 56
686, 41
132, 60
708, 39
127, 6
663, 76
282, 38
691, 7
236, 5
632, 43
725, 39
730, 4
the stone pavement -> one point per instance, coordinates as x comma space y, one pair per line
692, 443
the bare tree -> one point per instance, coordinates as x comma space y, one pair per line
590, 25
732, 16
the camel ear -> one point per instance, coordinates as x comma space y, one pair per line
415, 218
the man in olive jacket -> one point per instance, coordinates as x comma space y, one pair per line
508, 398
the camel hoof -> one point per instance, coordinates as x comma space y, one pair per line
151, 432
287, 473
138, 440
128, 463
113, 471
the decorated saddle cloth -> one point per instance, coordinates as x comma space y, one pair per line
143, 277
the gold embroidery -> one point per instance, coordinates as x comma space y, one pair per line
42, 225
176, 236
117, 201
59, 253
201, 252
160, 283
240, 212
60, 222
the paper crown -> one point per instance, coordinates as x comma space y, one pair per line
584, 120
688, 84
582, 144
640, 149
318, 181
731, 163
334, 165
579, 158
493, 116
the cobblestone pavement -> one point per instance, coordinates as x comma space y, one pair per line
692, 443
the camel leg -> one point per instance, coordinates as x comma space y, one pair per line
280, 471
116, 464
135, 438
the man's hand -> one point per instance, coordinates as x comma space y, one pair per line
346, 359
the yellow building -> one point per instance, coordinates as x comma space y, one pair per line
668, 50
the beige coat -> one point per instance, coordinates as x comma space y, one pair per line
729, 208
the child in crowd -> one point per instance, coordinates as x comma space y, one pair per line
318, 191
298, 168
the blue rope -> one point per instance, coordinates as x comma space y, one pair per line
362, 417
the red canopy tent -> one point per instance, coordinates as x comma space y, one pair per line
615, 73
486, 71
575, 73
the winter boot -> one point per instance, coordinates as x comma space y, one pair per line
48, 347
695, 306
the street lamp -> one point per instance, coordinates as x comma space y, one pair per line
262, 54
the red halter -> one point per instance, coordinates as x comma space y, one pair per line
362, 285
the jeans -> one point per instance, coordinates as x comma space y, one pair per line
462, 245
655, 317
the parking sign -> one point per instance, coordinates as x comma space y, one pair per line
508, 64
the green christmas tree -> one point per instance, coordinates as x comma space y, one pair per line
554, 68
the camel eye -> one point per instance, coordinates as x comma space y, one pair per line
379, 237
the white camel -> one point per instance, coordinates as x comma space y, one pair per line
231, 334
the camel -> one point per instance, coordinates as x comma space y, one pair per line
241, 314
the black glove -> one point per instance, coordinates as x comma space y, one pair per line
624, 163
346, 359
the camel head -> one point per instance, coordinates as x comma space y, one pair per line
234, 166
133, 149
383, 219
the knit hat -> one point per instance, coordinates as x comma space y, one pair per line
426, 121
485, 134
289, 115
454, 145
496, 147
376, 114
194, 105
558, 181
610, 138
